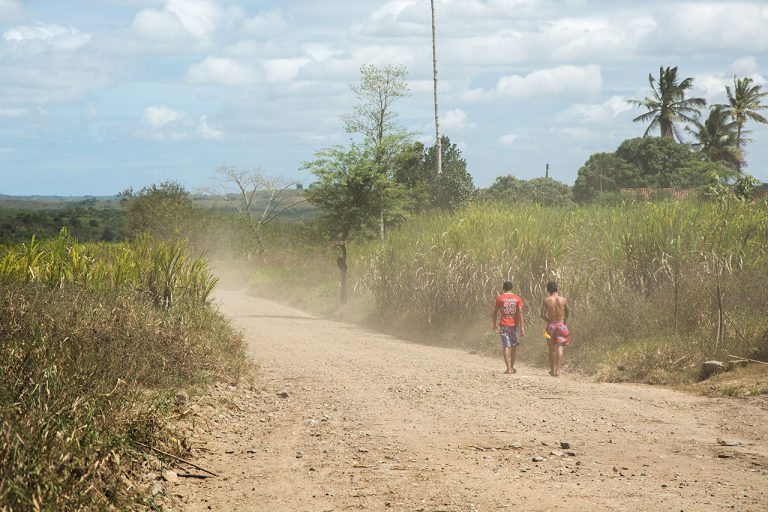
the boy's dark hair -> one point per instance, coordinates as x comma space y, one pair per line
551, 287
507, 286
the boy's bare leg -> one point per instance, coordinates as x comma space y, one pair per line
558, 360
551, 349
509, 358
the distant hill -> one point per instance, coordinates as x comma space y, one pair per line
57, 202
50, 203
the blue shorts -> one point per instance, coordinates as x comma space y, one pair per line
509, 336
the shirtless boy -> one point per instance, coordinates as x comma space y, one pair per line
554, 311
510, 324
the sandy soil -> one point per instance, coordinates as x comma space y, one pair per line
370, 422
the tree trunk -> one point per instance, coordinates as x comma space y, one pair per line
341, 262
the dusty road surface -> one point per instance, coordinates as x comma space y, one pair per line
370, 422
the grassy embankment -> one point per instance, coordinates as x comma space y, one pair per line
95, 340
644, 281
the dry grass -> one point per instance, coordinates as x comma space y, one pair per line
87, 371
751, 380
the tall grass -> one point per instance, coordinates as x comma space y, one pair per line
94, 341
644, 270
164, 271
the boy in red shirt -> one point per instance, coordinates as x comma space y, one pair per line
510, 325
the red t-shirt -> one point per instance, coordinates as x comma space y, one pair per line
508, 303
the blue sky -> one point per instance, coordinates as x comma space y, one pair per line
101, 95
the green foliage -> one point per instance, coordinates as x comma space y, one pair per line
541, 191
357, 185
161, 271
744, 102
668, 104
718, 137
161, 210
631, 272
378, 89
656, 159
602, 173
88, 356
350, 190
84, 223
646, 162
416, 169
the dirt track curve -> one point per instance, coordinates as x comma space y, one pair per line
371, 422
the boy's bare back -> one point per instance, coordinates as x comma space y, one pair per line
554, 308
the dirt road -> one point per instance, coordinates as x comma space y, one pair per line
370, 422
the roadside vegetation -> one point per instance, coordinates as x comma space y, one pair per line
95, 341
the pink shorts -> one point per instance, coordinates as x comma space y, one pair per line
558, 334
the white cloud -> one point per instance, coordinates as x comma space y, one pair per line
455, 119
221, 71
719, 26
204, 131
9, 9
602, 113
710, 87
158, 25
200, 17
578, 134
283, 70
182, 18
507, 140
63, 38
266, 23
162, 123
392, 9
745, 66
157, 117
590, 38
559, 82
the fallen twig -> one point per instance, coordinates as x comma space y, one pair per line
176, 458
746, 359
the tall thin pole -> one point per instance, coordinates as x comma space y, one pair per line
438, 142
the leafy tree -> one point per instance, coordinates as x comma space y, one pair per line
717, 137
160, 210
603, 173
744, 101
652, 162
543, 191
668, 104
416, 168
375, 120
351, 193
657, 161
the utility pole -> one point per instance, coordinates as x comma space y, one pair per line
438, 142
546, 171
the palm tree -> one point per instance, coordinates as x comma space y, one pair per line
743, 103
668, 104
717, 137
